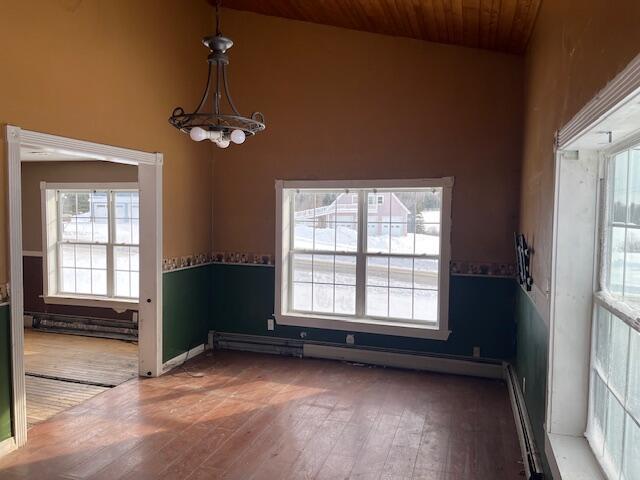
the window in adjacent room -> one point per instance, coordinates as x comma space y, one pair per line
614, 411
365, 256
91, 236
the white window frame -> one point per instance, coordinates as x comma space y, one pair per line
50, 260
284, 316
618, 306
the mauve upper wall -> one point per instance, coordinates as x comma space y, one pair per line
111, 71
576, 48
343, 104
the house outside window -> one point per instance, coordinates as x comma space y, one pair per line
364, 256
91, 237
613, 429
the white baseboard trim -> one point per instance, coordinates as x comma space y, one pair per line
7, 446
405, 360
175, 361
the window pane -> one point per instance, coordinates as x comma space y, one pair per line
425, 305
99, 282
67, 255
428, 206
345, 299
323, 268
68, 228
403, 206
603, 322
599, 412
345, 270
346, 237
325, 236
83, 256
616, 267
348, 208
84, 228
631, 470
322, 298
613, 435
378, 237
425, 274
401, 239
620, 166
428, 242
400, 303
134, 258
632, 264
98, 256
633, 392
303, 235
83, 280
301, 296
68, 280
378, 207
122, 287
135, 231
121, 258
377, 301
68, 203
135, 284
378, 271
301, 268
303, 205
100, 217
123, 230
619, 356
633, 207
401, 272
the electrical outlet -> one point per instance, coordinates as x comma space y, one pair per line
270, 324
303, 334
476, 352
350, 339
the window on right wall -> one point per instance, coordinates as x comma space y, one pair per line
613, 428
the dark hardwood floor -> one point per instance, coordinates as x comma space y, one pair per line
256, 416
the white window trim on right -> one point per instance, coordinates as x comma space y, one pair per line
439, 331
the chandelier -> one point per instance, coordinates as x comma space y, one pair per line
213, 123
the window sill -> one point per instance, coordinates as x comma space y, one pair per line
571, 458
379, 327
118, 304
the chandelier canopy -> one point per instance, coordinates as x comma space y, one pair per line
210, 120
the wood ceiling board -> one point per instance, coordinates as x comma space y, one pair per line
502, 25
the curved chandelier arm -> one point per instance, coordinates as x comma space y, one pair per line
206, 91
226, 90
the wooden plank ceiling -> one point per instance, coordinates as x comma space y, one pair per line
502, 25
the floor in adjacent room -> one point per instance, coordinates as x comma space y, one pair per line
255, 416
65, 370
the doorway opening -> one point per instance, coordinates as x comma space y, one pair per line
86, 270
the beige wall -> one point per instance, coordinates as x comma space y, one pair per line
111, 71
576, 48
61, 172
342, 104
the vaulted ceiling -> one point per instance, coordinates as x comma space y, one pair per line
502, 25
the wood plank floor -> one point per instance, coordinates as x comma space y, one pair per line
255, 417
90, 359
52, 357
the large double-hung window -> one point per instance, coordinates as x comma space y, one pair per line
614, 408
91, 236
364, 256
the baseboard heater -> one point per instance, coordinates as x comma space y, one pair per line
360, 354
530, 454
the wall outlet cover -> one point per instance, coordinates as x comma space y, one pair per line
271, 324
350, 339
476, 352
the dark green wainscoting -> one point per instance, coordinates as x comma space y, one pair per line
186, 309
531, 364
481, 314
5, 372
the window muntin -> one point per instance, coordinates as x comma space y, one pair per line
386, 267
98, 243
613, 428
